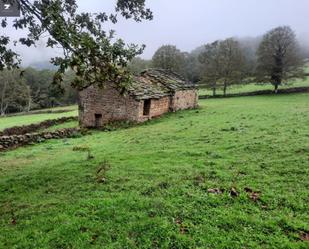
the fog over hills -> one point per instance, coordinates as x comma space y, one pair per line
190, 24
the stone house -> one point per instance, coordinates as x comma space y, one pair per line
151, 94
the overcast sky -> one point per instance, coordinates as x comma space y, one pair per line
189, 24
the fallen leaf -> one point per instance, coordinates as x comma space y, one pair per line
182, 228
94, 238
178, 221
101, 179
248, 190
254, 196
304, 236
13, 221
234, 192
214, 191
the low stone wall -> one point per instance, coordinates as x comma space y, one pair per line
20, 130
262, 92
14, 141
37, 112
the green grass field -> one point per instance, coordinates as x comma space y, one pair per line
147, 186
70, 124
256, 87
6, 122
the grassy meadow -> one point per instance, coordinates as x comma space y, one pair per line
33, 117
257, 87
149, 186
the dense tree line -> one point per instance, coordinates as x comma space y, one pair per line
96, 57
89, 47
14, 92
29, 89
274, 58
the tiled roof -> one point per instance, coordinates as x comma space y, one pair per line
157, 83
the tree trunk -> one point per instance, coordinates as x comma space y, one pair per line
224, 89
29, 104
3, 109
214, 91
276, 88
3, 105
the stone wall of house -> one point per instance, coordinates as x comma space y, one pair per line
157, 108
185, 99
107, 102
108, 105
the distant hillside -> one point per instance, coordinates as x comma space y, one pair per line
43, 65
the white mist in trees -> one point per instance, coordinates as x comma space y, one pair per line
232, 62
169, 57
89, 48
186, 64
224, 64
279, 58
137, 65
210, 60
249, 46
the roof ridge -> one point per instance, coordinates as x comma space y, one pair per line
166, 71
156, 83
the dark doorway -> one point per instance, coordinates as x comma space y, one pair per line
98, 119
147, 104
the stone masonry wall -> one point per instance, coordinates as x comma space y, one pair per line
157, 108
14, 141
107, 102
113, 106
184, 100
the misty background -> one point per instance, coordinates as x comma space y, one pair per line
189, 24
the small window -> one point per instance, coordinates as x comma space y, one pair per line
98, 119
147, 104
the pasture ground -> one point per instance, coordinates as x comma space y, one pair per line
148, 186
256, 87
32, 117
